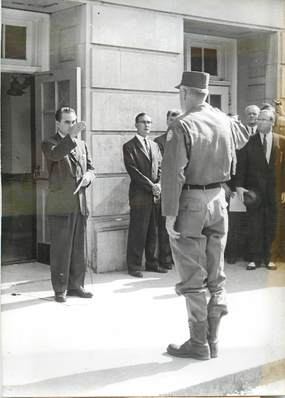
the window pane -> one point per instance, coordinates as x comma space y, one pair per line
49, 125
216, 101
196, 59
15, 42
49, 96
63, 93
2, 48
210, 61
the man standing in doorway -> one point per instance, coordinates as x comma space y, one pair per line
142, 160
199, 153
70, 173
261, 170
164, 250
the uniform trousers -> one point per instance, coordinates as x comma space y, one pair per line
142, 235
67, 253
199, 252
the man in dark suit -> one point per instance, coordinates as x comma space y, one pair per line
70, 173
261, 169
237, 235
164, 250
142, 160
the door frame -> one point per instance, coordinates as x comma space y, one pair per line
224, 92
33, 163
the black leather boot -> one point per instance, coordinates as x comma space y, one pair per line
196, 347
214, 323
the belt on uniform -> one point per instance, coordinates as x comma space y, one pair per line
202, 187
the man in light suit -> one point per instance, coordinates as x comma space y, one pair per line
70, 173
164, 250
261, 169
142, 161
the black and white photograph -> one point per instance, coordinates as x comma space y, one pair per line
143, 198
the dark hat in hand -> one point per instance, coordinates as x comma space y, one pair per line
197, 80
251, 199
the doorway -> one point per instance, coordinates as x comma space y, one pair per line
18, 232
219, 97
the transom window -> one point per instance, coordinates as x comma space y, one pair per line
204, 60
24, 41
14, 42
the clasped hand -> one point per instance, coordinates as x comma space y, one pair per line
156, 190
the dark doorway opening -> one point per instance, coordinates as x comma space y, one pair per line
18, 234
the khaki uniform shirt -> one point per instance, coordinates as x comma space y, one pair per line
200, 149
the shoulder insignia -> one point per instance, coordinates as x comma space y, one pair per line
169, 135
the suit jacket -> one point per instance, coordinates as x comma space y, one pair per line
254, 172
161, 141
67, 162
144, 170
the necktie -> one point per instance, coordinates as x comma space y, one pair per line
146, 146
252, 131
264, 144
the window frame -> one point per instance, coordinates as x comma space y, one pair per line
15, 61
225, 47
220, 56
226, 62
37, 41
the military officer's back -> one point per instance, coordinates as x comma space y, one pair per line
198, 158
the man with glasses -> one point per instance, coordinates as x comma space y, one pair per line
142, 160
261, 176
70, 173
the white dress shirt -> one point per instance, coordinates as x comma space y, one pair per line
269, 139
60, 134
252, 129
142, 141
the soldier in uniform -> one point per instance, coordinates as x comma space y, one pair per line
199, 154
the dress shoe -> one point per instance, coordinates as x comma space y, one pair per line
155, 268
271, 266
136, 274
60, 297
82, 293
251, 266
165, 266
189, 350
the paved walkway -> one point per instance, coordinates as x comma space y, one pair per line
114, 344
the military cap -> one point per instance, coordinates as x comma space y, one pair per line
197, 80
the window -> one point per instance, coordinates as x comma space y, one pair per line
211, 54
204, 60
24, 36
14, 42
218, 57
